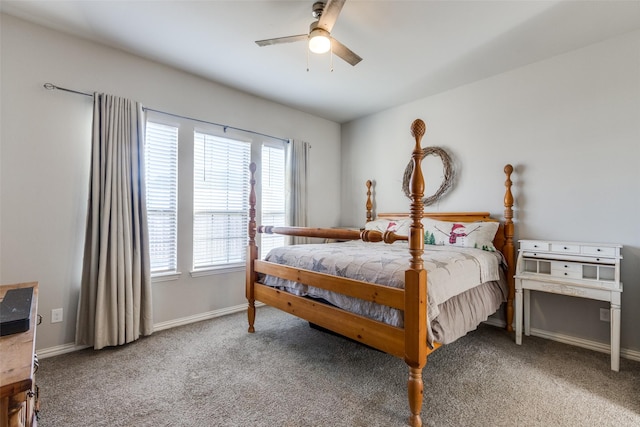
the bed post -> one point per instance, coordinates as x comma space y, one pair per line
509, 248
252, 251
369, 203
415, 291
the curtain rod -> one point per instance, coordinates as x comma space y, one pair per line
51, 86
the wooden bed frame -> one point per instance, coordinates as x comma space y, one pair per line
409, 342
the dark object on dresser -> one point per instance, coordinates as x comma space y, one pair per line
15, 311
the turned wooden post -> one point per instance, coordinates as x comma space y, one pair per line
252, 251
415, 291
369, 202
509, 248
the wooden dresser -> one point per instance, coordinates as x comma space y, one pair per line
18, 395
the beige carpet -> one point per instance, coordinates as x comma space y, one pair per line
214, 373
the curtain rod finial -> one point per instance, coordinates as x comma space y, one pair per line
49, 86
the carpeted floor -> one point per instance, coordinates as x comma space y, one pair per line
213, 373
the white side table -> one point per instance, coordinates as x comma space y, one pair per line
586, 270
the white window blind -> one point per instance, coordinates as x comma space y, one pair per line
220, 201
273, 196
161, 163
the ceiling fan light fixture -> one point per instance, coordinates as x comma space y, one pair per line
319, 41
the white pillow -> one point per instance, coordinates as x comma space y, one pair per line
479, 234
398, 226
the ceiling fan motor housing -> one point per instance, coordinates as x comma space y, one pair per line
316, 9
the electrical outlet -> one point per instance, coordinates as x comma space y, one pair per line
605, 315
56, 315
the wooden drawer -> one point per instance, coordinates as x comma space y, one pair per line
599, 250
565, 248
533, 245
566, 269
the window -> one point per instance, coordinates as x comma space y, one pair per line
273, 195
161, 164
215, 180
220, 201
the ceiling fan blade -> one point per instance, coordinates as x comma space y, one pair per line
330, 14
344, 52
279, 40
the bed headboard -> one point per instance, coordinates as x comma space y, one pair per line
503, 241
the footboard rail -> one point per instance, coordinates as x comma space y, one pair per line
375, 334
380, 294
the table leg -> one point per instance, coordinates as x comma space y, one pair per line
615, 337
527, 312
518, 316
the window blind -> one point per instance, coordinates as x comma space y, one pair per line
220, 201
161, 163
273, 196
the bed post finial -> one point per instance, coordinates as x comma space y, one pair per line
252, 250
369, 202
418, 129
509, 248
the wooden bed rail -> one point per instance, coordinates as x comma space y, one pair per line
335, 233
325, 233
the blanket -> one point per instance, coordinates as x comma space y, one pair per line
451, 271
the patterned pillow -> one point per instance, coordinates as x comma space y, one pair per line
398, 226
478, 234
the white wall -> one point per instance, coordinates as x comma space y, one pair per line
45, 148
571, 127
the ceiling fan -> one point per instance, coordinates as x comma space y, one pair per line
319, 37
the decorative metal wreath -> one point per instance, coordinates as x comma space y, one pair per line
447, 181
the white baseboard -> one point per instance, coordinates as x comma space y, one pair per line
578, 342
59, 349
199, 317
71, 347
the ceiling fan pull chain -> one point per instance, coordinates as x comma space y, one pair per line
331, 55
307, 60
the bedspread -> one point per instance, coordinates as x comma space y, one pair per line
451, 271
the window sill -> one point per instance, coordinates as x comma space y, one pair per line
218, 270
166, 277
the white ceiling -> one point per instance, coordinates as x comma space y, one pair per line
410, 49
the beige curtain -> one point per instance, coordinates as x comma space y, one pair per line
297, 181
115, 295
